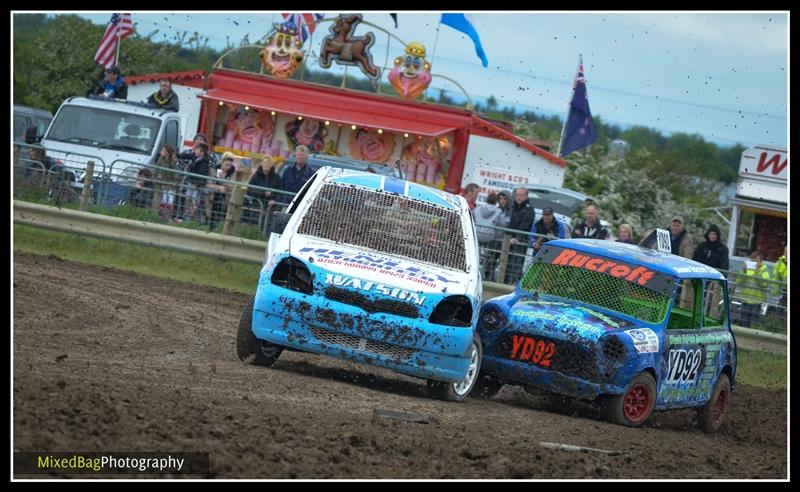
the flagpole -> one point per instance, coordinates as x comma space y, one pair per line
564, 126
433, 55
116, 51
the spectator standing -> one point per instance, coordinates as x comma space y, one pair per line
218, 204
168, 181
265, 176
547, 228
471, 196
753, 287
164, 98
194, 184
522, 217
681, 242
297, 171
625, 234
590, 227
142, 192
712, 252
781, 272
504, 204
487, 217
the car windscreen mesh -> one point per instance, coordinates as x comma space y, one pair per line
598, 289
387, 223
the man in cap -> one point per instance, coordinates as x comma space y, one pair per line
546, 228
113, 85
681, 242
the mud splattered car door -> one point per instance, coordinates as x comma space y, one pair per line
683, 362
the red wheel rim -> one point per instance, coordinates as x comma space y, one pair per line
719, 406
637, 403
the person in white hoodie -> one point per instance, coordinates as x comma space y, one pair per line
487, 217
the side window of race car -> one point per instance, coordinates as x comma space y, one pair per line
685, 314
714, 311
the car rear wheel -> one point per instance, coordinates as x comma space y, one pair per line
712, 414
458, 392
634, 406
250, 349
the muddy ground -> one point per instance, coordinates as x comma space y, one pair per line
106, 360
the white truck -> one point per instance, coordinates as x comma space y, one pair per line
118, 135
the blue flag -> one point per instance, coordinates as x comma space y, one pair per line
579, 131
460, 23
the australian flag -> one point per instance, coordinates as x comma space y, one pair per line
579, 131
306, 22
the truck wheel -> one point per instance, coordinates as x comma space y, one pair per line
486, 386
458, 392
250, 349
633, 407
712, 413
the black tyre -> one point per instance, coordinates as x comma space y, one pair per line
458, 392
634, 406
250, 349
712, 414
486, 386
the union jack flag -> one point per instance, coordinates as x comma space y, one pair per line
305, 22
120, 26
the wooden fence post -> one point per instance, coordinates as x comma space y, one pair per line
86, 193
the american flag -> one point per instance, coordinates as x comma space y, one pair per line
305, 22
120, 26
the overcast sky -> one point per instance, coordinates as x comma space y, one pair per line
722, 75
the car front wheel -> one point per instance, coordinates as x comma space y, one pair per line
459, 391
250, 349
634, 406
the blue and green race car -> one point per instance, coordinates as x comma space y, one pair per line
631, 329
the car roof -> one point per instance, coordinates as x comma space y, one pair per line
674, 265
394, 185
117, 104
563, 191
32, 111
319, 160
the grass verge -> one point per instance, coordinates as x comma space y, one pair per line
761, 369
202, 270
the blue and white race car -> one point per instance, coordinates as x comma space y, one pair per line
626, 327
373, 269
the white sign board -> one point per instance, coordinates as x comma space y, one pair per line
768, 163
664, 242
495, 164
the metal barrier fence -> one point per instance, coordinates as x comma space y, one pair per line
174, 195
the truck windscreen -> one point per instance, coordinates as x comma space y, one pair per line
105, 128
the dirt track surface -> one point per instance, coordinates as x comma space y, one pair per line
106, 360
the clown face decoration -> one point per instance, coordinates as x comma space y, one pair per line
371, 146
411, 73
283, 53
248, 131
423, 160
